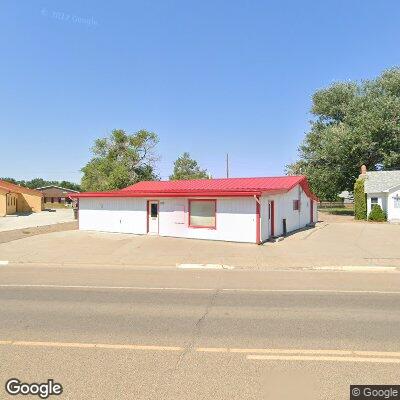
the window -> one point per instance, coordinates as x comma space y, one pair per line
202, 213
154, 210
296, 205
396, 200
374, 200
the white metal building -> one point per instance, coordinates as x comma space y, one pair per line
236, 209
383, 188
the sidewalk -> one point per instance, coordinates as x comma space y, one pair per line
22, 221
330, 244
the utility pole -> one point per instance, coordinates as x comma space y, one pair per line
227, 165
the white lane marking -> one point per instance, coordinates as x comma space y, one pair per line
203, 266
44, 286
274, 354
324, 359
4, 262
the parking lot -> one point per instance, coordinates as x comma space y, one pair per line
22, 221
329, 244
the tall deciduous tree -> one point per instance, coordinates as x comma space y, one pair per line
355, 124
121, 160
40, 182
187, 168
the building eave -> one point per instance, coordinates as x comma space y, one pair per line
150, 194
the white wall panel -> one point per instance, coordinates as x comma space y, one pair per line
235, 220
264, 210
393, 213
284, 210
112, 214
235, 217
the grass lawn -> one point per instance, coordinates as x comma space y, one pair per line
337, 210
55, 205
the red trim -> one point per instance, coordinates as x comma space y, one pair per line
126, 193
272, 233
306, 187
215, 213
258, 241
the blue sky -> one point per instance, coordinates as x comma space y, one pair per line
209, 77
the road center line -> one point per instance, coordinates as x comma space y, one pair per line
251, 354
90, 345
323, 358
294, 352
95, 287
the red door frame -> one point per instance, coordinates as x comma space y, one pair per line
158, 214
311, 210
272, 217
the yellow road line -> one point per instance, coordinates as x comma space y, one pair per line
300, 352
323, 358
91, 345
252, 353
188, 289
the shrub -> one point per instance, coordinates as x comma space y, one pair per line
360, 201
377, 214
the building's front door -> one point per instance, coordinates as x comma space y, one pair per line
152, 216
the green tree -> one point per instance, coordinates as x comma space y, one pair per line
377, 214
354, 124
70, 185
360, 201
11, 180
121, 160
187, 168
40, 182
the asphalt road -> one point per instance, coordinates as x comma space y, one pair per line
167, 334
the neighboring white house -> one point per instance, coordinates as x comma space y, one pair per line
348, 197
235, 209
383, 188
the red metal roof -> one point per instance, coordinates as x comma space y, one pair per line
247, 184
208, 187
